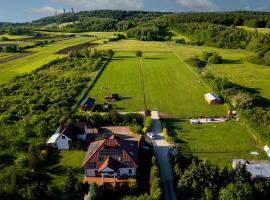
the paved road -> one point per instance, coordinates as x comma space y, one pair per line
161, 148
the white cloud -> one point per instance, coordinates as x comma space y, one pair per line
198, 5
103, 4
44, 11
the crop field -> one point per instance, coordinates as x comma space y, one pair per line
165, 83
217, 142
39, 56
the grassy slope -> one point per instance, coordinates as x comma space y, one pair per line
14, 37
217, 142
40, 56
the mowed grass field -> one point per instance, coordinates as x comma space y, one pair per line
218, 142
39, 56
234, 67
159, 81
260, 30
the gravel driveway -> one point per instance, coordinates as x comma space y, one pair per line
161, 148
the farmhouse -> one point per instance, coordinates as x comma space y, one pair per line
258, 168
87, 104
212, 98
66, 134
111, 162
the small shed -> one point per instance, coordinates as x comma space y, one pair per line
194, 121
212, 98
87, 104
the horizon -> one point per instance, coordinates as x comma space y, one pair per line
36, 9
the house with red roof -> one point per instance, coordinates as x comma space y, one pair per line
66, 134
111, 161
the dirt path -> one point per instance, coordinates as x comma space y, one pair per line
161, 148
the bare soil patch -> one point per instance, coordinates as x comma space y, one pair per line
76, 47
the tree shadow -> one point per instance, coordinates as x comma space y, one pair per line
154, 58
228, 61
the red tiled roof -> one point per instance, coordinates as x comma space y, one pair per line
111, 163
129, 147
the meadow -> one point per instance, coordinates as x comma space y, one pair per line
159, 81
260, 30
218, 142
39, 56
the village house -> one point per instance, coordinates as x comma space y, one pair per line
212, 98
66, 134
257, 168
111, 162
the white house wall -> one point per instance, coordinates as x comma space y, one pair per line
125, 171
90, 172
63, 143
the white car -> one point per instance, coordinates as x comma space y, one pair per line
151, 135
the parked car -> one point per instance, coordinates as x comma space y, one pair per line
151, 135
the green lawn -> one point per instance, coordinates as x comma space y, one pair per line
164, 79
14, 37
217, 142
58, 164
39, 57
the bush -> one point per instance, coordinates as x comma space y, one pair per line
180, 41
242, 100
196, 62
138, 53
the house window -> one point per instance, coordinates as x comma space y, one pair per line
63, 137
100, 159
130, 171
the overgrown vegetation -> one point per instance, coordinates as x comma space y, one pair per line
32, 106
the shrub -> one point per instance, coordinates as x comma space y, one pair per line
196, 62
242, 100
138, 53
180, 41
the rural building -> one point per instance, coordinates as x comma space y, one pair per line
87, 104
257, 168
194, 121
66, 134
267, 150
212, 98
111, 162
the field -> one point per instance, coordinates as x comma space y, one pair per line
15, 37
39, 56
260, 30
159, 81
217, 142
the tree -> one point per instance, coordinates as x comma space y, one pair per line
94, 192
266, 58
236, 191
138, 53
242, 100
70, 181
132, 184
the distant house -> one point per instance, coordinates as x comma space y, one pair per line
66, 134
257, 168
111, 161
87, 104
212, 98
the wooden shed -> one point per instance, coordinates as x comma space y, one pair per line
212, 98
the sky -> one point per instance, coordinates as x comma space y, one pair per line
28, 10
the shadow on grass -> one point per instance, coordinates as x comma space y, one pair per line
154, 58
227, 61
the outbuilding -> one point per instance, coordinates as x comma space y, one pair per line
212, 98
87, 104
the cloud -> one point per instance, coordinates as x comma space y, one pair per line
198, 5
44, 11
103, 4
